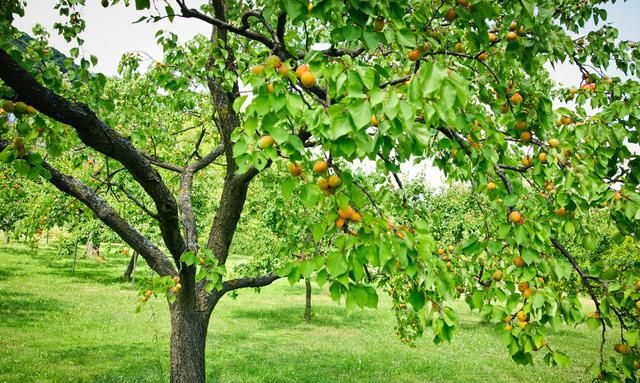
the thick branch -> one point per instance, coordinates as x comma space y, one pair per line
241, 283
98, 135
75, 188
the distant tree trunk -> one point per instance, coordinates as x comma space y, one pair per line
46, 238
93, 250
307, 306
6, 237
131, 267
75, 257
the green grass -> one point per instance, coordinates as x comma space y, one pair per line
55, 327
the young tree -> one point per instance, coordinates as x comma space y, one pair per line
463, 83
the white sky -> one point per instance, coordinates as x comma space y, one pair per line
110, 33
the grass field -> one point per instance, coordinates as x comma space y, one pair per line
55, 327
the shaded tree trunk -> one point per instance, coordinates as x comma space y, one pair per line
131, 267
307, 305
6, 237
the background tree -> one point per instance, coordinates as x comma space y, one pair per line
464, 84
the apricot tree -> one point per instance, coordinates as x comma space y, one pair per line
305, 89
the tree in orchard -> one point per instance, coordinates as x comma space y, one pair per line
306, 89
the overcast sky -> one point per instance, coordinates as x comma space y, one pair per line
110, 33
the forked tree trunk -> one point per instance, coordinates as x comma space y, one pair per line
188, 339
307, 305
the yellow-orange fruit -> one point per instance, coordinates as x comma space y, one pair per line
273, 61
482, 56
516, 98
491, 186
320, 166
323, 183
339, 222
525, 136
334, 181
346, 213
512, 36
522, 316
413, 55
528, 293
266, 142
294, 169
518, 261
554, 143
515, 216
497, 275
542, 157
440, 251
374, 120
492, 37
301, 69
356, 217
257, 69
307, 79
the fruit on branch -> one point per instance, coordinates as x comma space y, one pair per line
21, 107
451, 15
295, 169
440, 251
301, 69
504, 108
521, 125
482, 56
525, 136
346, 213
497, 275
356, 217
507, 319
270, 88
542, 157
522, 286
451, 248
560, 212
492, 37
413, 55
378, 25
515, 216
491, 186
566, 120
513, 26
508, 327
622, 348
257, 69
320, 167
273, 61
554, 143
31, 110
307, 79
516, 98
459, 47
323, 183
374, 120
266, 142
519, 261
522, 316
148, 293
283, 69
512, 36
334, 181
339, 222
528, 293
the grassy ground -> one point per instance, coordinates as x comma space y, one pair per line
55, 327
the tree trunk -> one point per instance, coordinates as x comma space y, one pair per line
131, 267
6, 237
307, 306
188, 339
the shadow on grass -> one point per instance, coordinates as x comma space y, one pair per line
292, 317
19, 309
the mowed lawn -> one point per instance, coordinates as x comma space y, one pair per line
55, 327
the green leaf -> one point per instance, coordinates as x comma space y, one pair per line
417, 300
143, 4
337, 264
